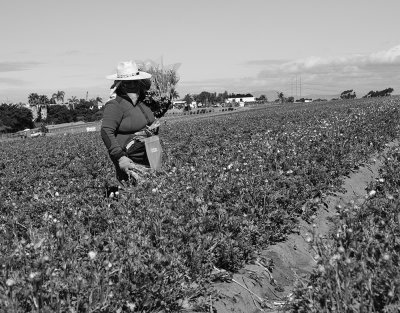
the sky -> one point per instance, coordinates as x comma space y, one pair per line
298, 47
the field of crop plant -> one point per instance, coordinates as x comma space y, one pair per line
71, 241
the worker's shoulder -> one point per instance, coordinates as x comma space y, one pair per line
113, 104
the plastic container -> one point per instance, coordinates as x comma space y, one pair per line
153, 151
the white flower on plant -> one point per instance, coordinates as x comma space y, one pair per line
10, 282
34, 275
92, 255
334, 258
386, 256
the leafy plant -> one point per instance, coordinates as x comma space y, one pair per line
230, 186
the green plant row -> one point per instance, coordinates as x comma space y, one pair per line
358, 266
230, 186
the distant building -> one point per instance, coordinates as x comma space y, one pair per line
179, 104
241, 99
38, 108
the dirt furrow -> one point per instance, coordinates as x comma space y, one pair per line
265, 285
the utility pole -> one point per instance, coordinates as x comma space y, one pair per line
300, 86
291, 87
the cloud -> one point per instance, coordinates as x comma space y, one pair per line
377, 61
17, 66
266, 62
319, 75
12, 81
238, 85
391, 56
363, 72
71, 52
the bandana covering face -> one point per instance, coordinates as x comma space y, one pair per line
113, 88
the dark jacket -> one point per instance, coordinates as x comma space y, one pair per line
121, 119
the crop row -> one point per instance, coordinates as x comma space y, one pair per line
358, 265
230, 185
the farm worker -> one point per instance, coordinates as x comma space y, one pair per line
126, 121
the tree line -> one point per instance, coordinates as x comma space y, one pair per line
210, 98
350, 94
346, 94
15, 117
49, 110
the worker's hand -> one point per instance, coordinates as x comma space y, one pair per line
132, 169
125, 164
154, 125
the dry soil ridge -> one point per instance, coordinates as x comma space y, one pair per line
255, 288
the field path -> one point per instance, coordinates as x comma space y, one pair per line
256, 288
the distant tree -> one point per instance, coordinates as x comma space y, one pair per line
348, 94
53, 100
290, 99
86, 111
319, 100
58, 113
58, 96
240, 95
262, 98
281, 96
221, 97
15, 117
43, 99
72, 102
174, 94
33, 98
188, 98
206, 98
383, 93
4, 128
98, 115
98, 100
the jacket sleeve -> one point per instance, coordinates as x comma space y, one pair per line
112, 118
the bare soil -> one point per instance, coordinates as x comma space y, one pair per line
260, 288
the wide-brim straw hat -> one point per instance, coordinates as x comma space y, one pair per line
128, 71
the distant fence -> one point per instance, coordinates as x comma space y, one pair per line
71, 128
83, 128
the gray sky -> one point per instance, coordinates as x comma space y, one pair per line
234, 45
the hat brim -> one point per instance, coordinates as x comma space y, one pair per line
141, 75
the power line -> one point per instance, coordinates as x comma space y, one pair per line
300, 86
